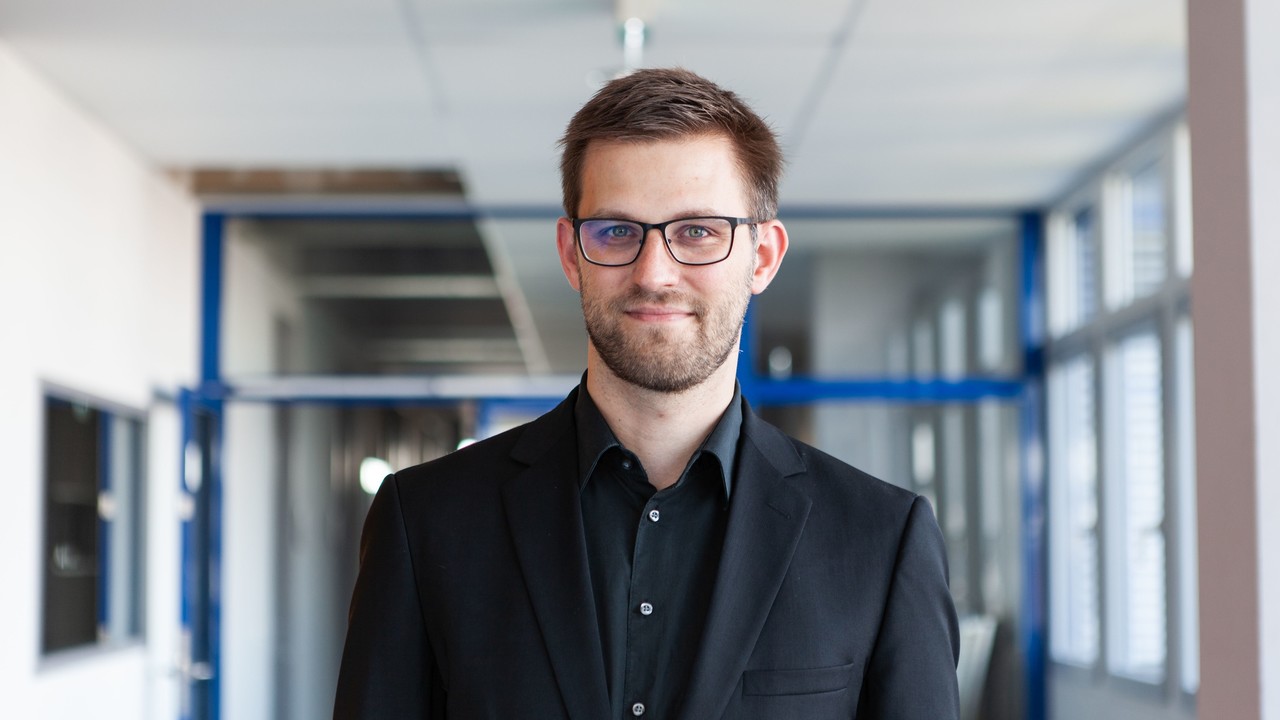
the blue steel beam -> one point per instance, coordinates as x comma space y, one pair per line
807, 390
212, 227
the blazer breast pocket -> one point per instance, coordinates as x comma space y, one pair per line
809, 681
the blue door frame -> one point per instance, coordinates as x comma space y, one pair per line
202, 557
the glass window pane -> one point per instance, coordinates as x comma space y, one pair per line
1138, 247
955, 506
1085, 240
952, 334
922, 363
1188, 570
991, 330
1182, 203
120, 512
1135, 510
1073, 271
1073, 542
1149, 222
71, 566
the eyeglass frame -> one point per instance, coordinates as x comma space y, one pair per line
661, 227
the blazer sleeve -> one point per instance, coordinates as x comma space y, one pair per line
911, 674
387, 663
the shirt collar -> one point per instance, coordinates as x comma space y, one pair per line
595, 437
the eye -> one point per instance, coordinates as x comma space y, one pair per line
698, 230
609, 231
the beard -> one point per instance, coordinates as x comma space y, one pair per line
659, 358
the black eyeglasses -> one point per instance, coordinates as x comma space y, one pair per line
691, 241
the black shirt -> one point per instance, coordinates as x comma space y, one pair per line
653, 557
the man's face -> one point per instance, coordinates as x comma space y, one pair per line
658, 324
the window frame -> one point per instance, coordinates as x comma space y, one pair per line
133, 529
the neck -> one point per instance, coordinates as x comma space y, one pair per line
662, 429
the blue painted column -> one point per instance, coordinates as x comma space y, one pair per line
202, 521
1031, 321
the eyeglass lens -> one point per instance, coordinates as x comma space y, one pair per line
694, 241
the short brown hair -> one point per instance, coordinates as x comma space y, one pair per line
662, 104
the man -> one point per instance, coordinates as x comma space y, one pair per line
651, 548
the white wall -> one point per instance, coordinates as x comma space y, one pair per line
98, 270
256, 296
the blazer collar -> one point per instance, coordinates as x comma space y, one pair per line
544, 513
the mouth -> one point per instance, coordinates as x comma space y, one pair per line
658, 314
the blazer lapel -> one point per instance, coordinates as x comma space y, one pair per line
766, 518
545, 516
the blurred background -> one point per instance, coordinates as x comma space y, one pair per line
255, 255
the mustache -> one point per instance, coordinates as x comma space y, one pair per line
664, 298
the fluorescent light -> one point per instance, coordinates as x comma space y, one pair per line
372, 472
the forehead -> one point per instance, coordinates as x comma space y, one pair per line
686, 173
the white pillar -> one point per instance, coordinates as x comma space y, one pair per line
1234, 116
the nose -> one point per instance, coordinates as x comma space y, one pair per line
655, 267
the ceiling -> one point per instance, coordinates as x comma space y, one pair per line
990, 104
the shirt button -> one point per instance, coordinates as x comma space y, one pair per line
626, 464
654, 515
637, 709
646, 609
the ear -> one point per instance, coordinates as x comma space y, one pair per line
567, 247
770, 247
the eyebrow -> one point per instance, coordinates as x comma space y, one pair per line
620, 215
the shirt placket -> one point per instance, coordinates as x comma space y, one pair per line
643, 612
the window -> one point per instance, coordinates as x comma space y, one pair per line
1073, 513
1135, 509
93, 523
1120, 431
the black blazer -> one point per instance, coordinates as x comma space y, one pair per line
474, 600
